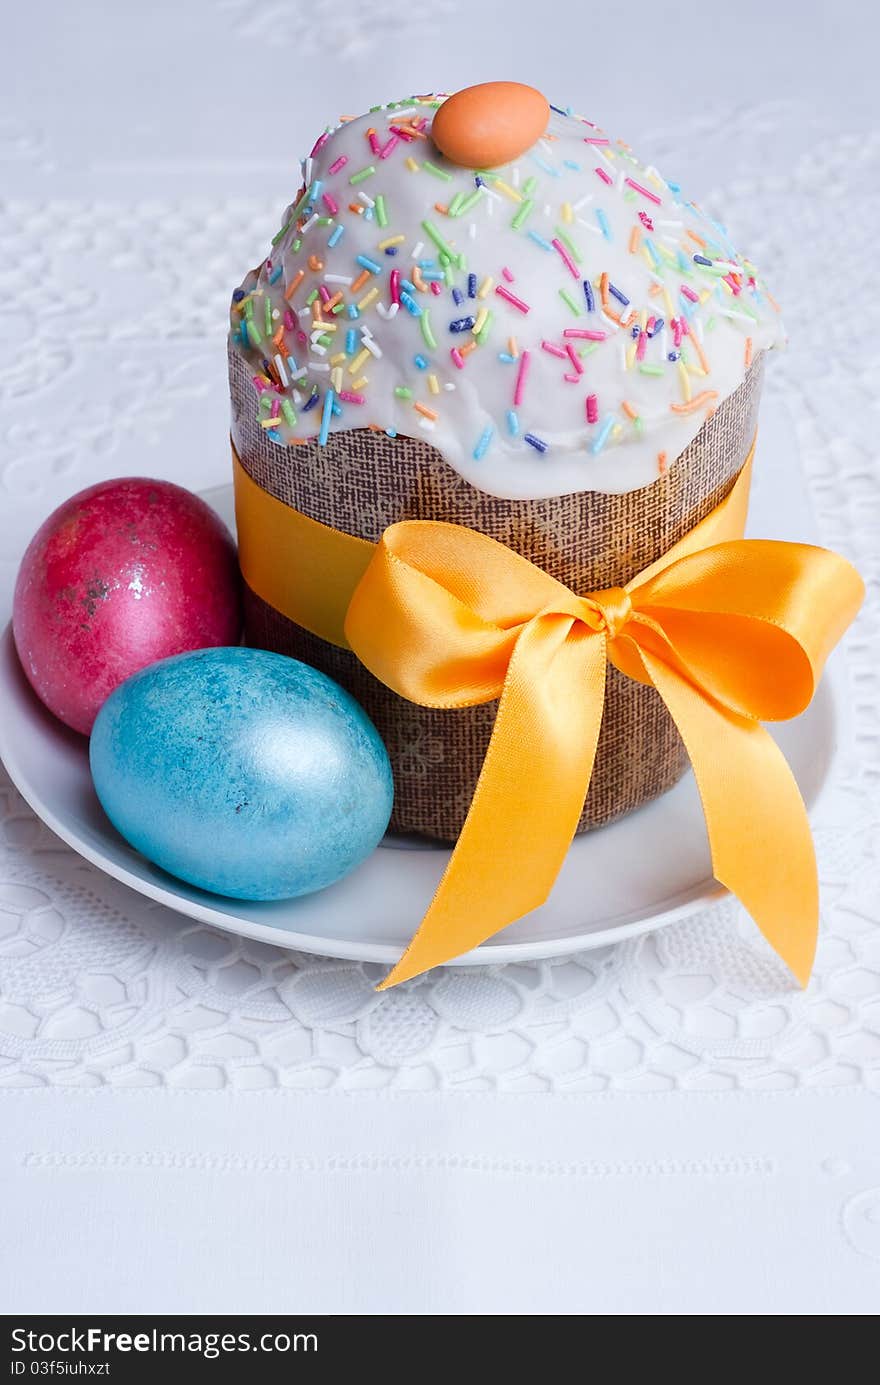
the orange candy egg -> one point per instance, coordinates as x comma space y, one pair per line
490, 124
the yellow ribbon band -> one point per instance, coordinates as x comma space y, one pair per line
731, 632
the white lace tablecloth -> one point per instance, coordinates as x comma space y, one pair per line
665, 1126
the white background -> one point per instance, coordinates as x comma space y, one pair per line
194, 1124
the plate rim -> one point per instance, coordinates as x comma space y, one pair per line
672, 910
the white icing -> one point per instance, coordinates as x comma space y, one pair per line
573, 200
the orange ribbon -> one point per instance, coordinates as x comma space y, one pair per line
731, 632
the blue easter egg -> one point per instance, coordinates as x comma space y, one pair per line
243, 772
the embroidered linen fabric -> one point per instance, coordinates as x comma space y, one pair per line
362, 481
684, 1089
99, 987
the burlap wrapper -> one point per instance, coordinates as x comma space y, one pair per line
362, 481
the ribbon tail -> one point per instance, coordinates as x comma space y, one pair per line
528, 798
759, 834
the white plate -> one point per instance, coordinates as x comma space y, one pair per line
641, 873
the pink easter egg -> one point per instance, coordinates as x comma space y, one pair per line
122, 574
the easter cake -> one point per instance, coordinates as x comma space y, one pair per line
483, 310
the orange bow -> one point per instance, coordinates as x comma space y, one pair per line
729, 631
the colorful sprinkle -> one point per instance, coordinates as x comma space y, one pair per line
524, 212
687, 292
441, 244
565, 257
512, 299
699, 401
325, 418
645, 192
427, 333
521, 377
602, 436
483, 445
483, 326
539, 240
569, 302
